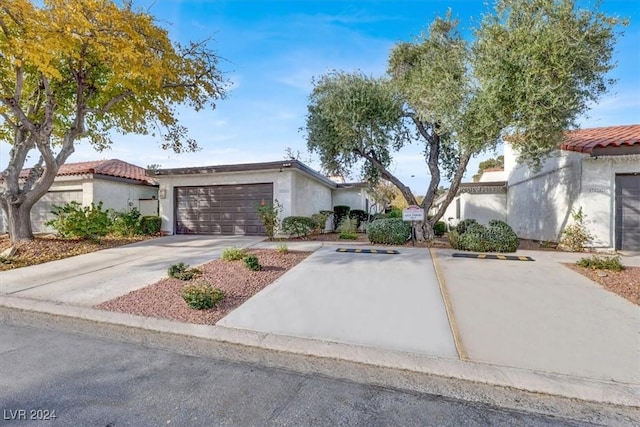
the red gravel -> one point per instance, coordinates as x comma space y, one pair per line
625, 283
163, 299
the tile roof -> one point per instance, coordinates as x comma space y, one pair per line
585, 140
112, 167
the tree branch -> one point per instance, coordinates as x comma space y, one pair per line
406, 191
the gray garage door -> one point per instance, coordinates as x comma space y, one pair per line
41, 211
628, 212
221, 209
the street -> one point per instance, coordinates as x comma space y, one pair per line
95, 382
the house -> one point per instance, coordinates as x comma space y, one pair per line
595, 169
118, 185
224, 199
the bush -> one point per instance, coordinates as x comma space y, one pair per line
439, 228
389, 231
320, 219
150, 225
602, 263
339, 213
126, 223
348, 236
298, 225
394, 213
576, 236
497, 237
359, 215
201, 296
348, 225
181, 271
252, 263
282, 249
75, 221
234, 254
464, 224
270, 217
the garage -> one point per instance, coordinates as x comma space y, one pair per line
221, 209
41, 211
628, 212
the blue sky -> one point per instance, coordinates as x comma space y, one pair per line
273, 49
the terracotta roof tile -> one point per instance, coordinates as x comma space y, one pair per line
112, 167
585, 140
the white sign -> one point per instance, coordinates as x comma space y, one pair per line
413, 213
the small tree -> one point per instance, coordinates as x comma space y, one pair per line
576, 236
269, 214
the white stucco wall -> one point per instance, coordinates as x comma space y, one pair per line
354, 197
482, 207
282, 188
120, 196
309, 195
493, 176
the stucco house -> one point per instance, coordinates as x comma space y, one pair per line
118, 185
595, 169
224, 199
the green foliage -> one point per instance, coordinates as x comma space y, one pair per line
269, 214
150, 225
497, 162
464, 224
181, 271
298, 225
394, 213
201, 295
75, 221
320, 219
497, 237
439, 228
576, 236
339, 213
602, 263
282, 248
359, 215
348, 226
348, 236
126, 223
234, 254
389, 231
251, 262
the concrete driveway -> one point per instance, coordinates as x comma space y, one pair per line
377, 300
100, 276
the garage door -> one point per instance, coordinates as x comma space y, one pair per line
41, 211
221, 209
628, 212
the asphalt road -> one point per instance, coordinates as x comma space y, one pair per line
95, 382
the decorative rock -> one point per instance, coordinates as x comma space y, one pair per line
602, 274
8, 253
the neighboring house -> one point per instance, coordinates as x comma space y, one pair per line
224, 199
595, 169
118, 185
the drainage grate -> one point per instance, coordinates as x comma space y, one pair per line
369, 251
493, 256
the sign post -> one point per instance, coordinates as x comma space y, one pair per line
414, 214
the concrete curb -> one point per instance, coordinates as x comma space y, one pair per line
516, 388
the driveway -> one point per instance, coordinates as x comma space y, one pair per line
100, 276
377, 300
542, 316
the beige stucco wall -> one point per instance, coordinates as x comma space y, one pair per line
309, 195
120, 196
282, 188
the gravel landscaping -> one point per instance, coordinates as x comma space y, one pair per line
625, 283
164, 300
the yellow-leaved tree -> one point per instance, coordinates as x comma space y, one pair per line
75, 70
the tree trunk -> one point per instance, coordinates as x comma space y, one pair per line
19, 222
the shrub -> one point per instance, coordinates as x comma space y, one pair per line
181, 271
298, 225
75, 221
339, 213
282, 249
454, 239
464, 224
126, 223
475, 238
602, 263
251, 262
394, 213
502, 237
439, 228
359, 215
201, 295
269, 215
234, 254
497, 237
576, 236
320, 219
348, 225
389, 231
150, 224
348, 236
